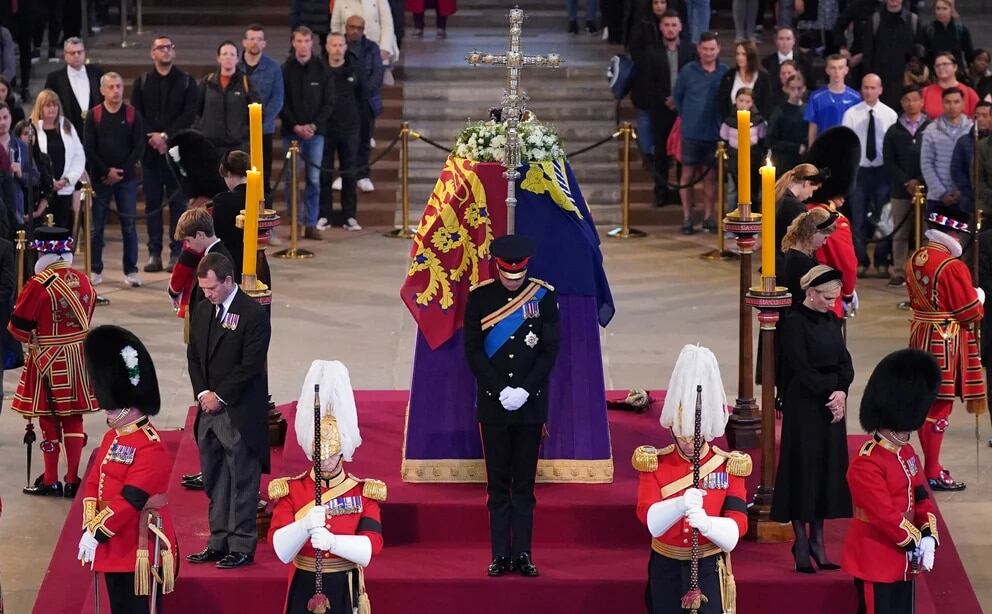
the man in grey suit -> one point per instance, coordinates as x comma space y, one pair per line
229, 341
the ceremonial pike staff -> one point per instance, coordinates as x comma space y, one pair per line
318, 604
694, 599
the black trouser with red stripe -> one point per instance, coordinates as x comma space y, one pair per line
884, 597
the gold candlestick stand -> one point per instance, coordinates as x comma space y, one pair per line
293, 252
404, 231
624, 231
769, 300
743, 430
721, 202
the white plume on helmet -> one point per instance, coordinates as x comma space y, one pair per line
336, 399
696, 365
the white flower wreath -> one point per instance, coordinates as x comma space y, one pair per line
485, 141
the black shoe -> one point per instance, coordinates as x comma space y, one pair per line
189, 477
822, 564
499, 566
525, 566
71, 488
802, 563
311, 233
206, 556
687, 228
944, 482
709, 225
154, 264
235, 559
40, 489
591, 28
573, 27
173, 259
194, 483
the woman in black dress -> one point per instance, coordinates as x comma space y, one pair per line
807, 233
811, 482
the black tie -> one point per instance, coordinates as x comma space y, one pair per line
870, 151
220, 315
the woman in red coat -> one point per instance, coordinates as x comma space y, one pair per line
444, 8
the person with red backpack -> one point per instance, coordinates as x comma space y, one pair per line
114, 142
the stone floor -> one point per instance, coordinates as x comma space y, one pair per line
343, 304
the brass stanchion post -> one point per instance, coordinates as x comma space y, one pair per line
919, 200
721, 202
86, 211
625, 231
404, 231
124, 42
139, 19
294, 252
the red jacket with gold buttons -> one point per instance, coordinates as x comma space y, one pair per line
892, 511
666, 473
352, 509
134, 467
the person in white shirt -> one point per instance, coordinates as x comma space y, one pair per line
77, 83
59, 142
870, 119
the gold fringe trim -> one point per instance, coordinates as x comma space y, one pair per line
728, 585
364, 605
976, 407
278, 488
645, 459
374, 489
474, 470
738, 463
141, 571
168, 572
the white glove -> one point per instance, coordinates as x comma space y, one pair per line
288, 540
355, 548
315, 518
515, 399
925, 552
698, 519
322, 539
981, 295
88, 544
692, 499
504, 394
663, 514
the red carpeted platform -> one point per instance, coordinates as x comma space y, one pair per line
590, 547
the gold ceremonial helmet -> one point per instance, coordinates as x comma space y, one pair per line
330, 436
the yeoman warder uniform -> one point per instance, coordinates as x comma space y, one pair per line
511, 342
669, 505
52, 316
127, 530
345, 532
894, 533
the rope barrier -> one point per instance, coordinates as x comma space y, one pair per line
354, 170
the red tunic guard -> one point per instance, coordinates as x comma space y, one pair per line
352, 509
946, 314
666, 474
130, 481
838, 253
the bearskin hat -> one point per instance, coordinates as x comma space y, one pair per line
196, 162
121, 370
839, 150
900, 391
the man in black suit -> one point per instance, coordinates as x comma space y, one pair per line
658, 60
511, 342
77, 84
228, 344
786, 49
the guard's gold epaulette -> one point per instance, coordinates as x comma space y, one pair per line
373, 489
646, 457
150, 433
541, 282
279, 487
867, 447
738, 463
484, 282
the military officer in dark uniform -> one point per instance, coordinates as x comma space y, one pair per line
511, 341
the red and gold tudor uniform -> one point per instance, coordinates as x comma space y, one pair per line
352, 509
120, 493
946, 315
52, 316
892, 513
667, 473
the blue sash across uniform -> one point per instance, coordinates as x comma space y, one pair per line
509, 324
